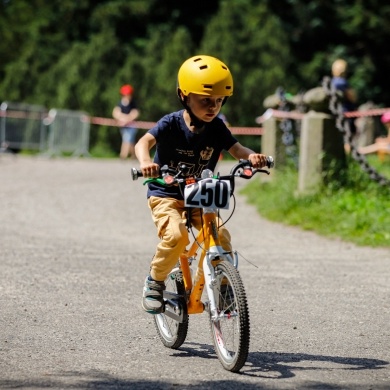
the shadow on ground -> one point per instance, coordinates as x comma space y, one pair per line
266, 365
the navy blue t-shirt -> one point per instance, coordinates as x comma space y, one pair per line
177, 145
342, 85
126, 108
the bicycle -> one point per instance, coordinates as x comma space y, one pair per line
216, 273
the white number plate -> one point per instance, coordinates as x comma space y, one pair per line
209, 193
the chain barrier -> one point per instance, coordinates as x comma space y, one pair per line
343, 125
290, 132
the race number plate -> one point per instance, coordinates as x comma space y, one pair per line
209, 193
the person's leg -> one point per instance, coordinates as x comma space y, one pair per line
132, 141
125, 150
167, 214
129, 135
125, 147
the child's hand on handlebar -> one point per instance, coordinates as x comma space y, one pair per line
150, 169
258, 160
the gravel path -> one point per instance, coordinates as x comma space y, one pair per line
76, 239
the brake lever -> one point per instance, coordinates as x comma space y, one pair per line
262, 171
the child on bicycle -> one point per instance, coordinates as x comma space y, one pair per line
193, 136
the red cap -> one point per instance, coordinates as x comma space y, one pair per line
126, 89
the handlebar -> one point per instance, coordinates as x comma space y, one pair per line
177, 176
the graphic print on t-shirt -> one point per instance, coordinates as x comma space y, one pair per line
195, 170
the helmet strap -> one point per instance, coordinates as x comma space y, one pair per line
196, 122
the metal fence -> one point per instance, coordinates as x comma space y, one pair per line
54, 132
22, 127
68, 132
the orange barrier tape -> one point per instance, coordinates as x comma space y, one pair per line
351, 114
235, 130
372, 112
149, 125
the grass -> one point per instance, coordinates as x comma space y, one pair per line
357, 211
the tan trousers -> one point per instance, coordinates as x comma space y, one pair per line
169, 216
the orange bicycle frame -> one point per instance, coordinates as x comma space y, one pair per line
207, 237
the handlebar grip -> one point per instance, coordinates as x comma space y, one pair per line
136, 173
270, 162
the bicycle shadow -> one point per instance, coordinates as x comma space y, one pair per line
267, 365
278, 365
284, 365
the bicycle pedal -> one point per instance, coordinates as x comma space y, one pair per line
175, 309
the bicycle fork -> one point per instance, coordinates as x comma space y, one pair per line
205, 274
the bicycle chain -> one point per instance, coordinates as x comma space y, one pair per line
336, 108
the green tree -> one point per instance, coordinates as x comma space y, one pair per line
161, 64
253, 44
76, 54
320, 31
83, 76
38, 33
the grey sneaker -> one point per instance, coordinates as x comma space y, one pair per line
152, 297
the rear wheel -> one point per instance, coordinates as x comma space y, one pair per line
172, 333
230, 329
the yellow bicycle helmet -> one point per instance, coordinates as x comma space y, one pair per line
205, 75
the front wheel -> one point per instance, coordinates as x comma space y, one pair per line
230, 325
172, 332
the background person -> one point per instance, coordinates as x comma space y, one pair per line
384, 141
339, 82
382, 144
385, 119
126, 112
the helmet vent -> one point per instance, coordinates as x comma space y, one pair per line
207, 86
203, 67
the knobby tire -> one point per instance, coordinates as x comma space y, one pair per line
171, 332
231, 332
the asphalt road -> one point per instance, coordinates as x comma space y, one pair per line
76, 239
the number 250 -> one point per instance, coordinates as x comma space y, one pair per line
209, 192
